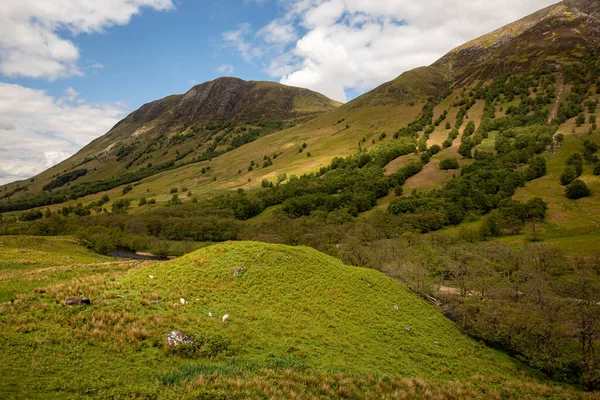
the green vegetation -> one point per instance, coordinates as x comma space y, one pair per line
449, 163
63, 179
285, 307
480, 226
577, 189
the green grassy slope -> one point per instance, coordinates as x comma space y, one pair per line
326, 324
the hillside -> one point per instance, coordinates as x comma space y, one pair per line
293, 312
560, 33
219, 137
209, 120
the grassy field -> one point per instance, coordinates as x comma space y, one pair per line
301, 324
29, 262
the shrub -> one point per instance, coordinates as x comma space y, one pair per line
568, 176
175, 200
597, 169
536, 169
577, 190
127, 189
174, 190
120, 206
32, 215
449, 163
142, 202
205, 347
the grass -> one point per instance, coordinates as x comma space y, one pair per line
300, 324
29, 263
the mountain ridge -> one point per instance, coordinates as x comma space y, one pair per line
193, 127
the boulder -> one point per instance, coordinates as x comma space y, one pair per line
77, 301
175, 338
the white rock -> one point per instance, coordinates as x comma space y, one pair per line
182, 301
150, 276
225, 318
210, 314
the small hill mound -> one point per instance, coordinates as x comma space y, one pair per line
300, 322
301, 303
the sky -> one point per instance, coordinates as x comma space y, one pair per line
71, 69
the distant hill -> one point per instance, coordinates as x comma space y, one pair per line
209, 120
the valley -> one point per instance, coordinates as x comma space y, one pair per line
436, 237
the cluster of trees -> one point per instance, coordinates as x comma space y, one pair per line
63, 179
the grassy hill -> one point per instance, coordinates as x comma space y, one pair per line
299, 321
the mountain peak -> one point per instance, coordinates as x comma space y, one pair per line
559, 32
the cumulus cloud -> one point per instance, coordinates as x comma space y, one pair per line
336, 46
38, 131
32, 32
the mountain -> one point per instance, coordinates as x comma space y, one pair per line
559, 33
230, 134
208, 120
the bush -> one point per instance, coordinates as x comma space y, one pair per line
536, 169
32, 215
568, 176
205, 347
577, 190
142, 202
174, 190
120, 206
597, 169
127, 189
449, 163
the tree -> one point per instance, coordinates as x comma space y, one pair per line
536, 169
577, 190
121, 206
568, 176
175, 201
536, 209
32, 215
449, 163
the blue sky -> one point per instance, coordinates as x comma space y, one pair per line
159, 53
70, 70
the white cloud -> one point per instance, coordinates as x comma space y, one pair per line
32, 42
226, 69
337, 45
237, 39
39, 131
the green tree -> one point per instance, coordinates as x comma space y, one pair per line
449, 163
568, 176
577, 189
536, 169
120, 206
